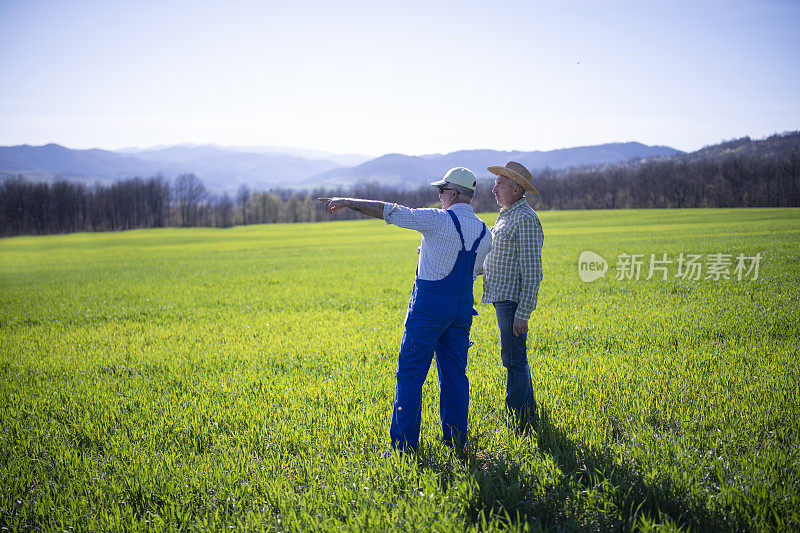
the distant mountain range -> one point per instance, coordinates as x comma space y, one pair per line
398, 169
227, 168
346, 160
219, 168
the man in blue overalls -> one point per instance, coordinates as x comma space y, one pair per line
454, 244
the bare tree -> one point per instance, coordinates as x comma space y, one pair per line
242, 196
189, 193
224, 208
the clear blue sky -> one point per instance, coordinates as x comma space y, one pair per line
411, 77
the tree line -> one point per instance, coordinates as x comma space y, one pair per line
37, 208
742, 173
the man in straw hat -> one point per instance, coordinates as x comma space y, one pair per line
439, 317
512, 272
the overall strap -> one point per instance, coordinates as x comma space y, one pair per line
478, 240
458, 227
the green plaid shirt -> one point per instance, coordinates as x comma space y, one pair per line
513, 268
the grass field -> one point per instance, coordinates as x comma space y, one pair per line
243, 378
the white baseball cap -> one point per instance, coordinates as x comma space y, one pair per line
458, 176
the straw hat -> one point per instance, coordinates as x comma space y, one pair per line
516, 172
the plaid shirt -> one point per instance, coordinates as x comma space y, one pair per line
513, 269
440, 241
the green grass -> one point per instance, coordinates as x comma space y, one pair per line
201, 378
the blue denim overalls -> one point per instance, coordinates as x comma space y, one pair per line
438, 321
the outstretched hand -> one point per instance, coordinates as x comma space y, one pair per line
333, 204
371, 208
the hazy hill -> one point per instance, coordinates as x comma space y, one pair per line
226, 168
403, 170
778, 145
737, 173
219, 168
344, 160
52, 159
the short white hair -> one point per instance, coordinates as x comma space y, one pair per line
463, 191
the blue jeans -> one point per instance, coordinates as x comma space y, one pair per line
514, 355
